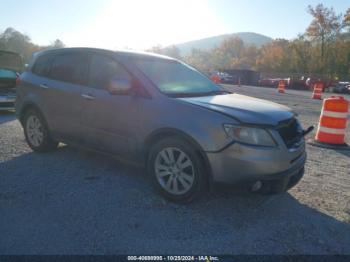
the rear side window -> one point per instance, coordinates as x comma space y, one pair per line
70, 67
42, 65
103, 69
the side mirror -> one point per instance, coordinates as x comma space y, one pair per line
119, 86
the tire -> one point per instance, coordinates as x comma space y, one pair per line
37, 133
177, 160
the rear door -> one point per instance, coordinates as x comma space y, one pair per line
108, 121
64, 87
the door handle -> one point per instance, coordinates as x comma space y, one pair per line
87, 96
44, 86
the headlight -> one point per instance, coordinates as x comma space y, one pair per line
249, 135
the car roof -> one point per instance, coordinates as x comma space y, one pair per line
127, 53
9, 52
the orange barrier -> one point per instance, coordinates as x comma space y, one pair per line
215, 79
281, 86
333, 121
317, 92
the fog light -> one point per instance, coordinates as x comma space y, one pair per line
256, 186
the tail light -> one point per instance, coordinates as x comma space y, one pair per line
18, 80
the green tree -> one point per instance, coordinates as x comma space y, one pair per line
300, 55
13, 40
57, 44
324, 28
275, 57
346, 20
200, 59
230, 54
16, 41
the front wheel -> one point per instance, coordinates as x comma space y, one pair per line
37, 133
176, 170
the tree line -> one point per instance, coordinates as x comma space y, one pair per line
13, 40
322, 50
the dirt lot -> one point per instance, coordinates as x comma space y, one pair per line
77, 202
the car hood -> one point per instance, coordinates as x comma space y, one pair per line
248, 110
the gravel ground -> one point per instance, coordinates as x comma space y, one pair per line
76, 202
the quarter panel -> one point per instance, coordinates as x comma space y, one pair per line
28, 92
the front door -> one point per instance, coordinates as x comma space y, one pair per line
108, 121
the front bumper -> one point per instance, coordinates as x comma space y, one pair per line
241, 163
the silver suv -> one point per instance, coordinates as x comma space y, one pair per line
189, 131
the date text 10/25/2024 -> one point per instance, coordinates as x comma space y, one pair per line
172, 258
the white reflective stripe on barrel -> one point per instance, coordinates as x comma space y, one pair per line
334, 131
335, 114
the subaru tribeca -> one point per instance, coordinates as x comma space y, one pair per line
189, 132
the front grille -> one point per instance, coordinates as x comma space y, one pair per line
6, 104
290, 131
8, 91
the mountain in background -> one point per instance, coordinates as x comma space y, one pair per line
212, 42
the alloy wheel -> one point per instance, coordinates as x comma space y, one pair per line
35, 131
174, 170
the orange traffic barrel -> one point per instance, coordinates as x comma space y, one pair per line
317, 92
281, 86
216, 79
333, 121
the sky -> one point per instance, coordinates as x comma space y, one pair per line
141, 24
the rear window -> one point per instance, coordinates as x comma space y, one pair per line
70, 67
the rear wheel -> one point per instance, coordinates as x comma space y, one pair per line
36, 132
176, 170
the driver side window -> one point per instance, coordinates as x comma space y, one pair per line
104, 70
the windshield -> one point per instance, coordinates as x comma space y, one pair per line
177, 79
11, 61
